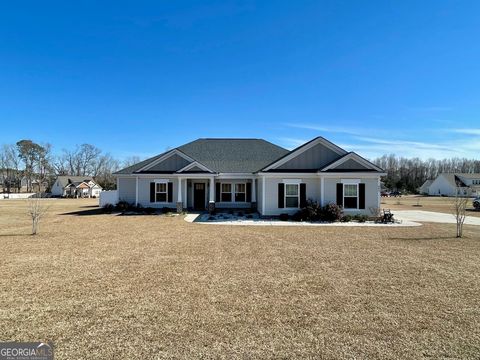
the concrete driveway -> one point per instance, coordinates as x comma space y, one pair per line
430, 216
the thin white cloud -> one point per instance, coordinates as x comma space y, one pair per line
329, 129
465, 131
431, 108
291, 143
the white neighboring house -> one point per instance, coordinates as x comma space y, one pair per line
446, 184
424, 189
77, 186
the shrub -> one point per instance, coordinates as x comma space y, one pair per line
108, 208
311, 212
284, 217
331, 212
149, 210
166, 210
346, 218
360, 218
123, 206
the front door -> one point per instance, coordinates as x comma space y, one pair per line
199, 196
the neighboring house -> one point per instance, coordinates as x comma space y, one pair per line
252, 173
447, 184
76, 186
424, 189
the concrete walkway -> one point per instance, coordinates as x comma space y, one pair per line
430, 216
197, 218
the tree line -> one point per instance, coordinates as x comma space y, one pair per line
410, 173
35, 166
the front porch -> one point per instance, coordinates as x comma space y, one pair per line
198, 192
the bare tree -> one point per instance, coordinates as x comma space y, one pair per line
37, 209
459, 207
10, 168
131, 160
81, 161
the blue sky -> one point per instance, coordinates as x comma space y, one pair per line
136, 77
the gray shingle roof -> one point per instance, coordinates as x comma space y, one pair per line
64, 180
225, 155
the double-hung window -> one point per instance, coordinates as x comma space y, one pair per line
161, 192
350, 196
226, 192
292, 195
240, 192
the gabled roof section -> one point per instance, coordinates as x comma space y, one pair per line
233, 155
169, 162
218, 155
315, 154
351, 162
195, 167
64, 180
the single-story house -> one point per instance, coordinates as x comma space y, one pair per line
252, 173
447, 184
424, 189
77, 186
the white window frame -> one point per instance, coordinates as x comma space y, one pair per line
226, 192
344, 196
292, 196
240, 192
161, 192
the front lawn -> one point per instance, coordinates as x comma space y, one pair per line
104, 286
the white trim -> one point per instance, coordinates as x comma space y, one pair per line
160, 180
136, 191
254, 191
165, 157
301, 149
291, 196
179, 191
357, 197
322, 191
355, 157
263, 195
363, 175
292, 181
193, 164
161, 192
350, 181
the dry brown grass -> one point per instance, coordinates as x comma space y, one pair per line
427, 203
146, 287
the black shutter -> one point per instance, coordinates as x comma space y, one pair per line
361, 196
249, 192
170, 192
217, 192
152, 192
281, 195
303, 195
339, 194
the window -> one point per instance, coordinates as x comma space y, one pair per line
161, 192
350, 196
291, 196
226, 192
240, 190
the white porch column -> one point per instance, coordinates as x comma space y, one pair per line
185, 196
254, 191
263, 195
136, 191
179, 202
179, 195
211, 193
322, 191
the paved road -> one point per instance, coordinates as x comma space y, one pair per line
430, 216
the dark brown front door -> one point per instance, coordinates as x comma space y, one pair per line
199, 196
